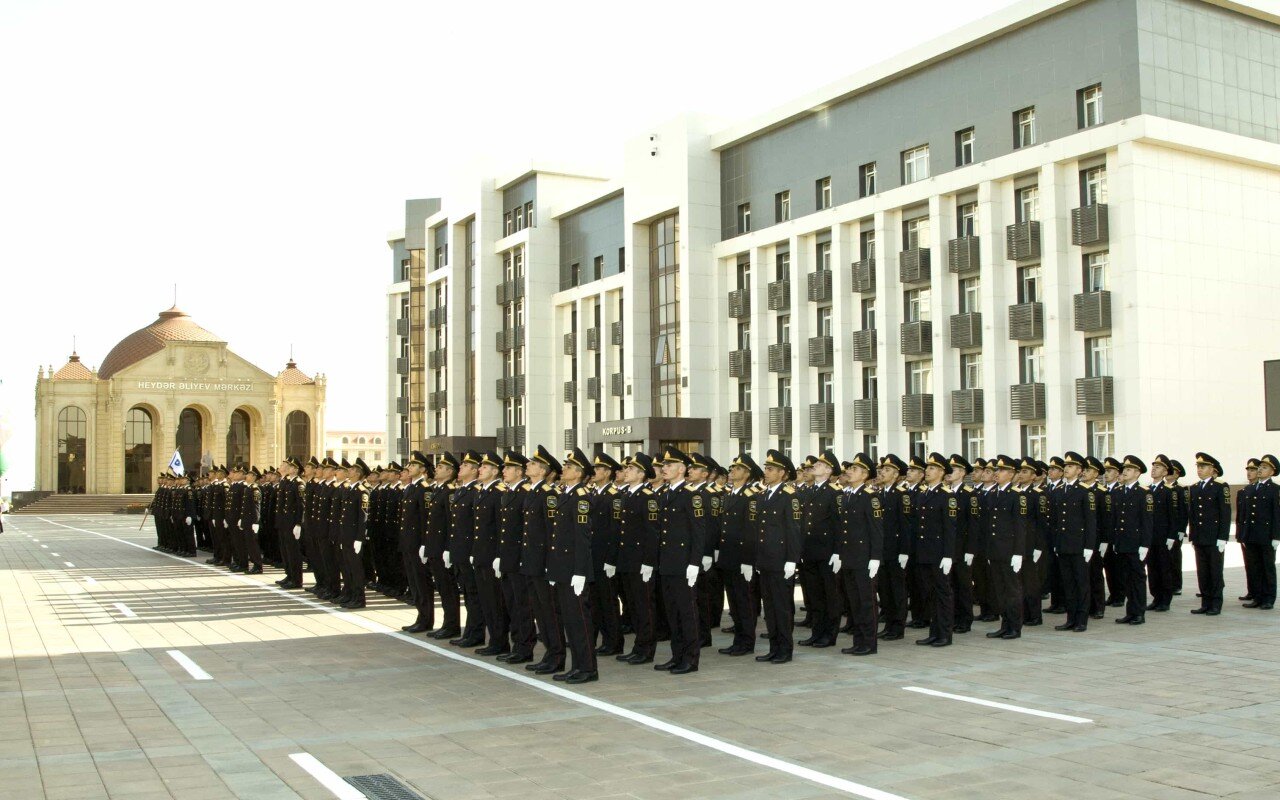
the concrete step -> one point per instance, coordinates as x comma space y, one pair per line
84, 503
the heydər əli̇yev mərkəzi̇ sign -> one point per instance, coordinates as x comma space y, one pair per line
196, 387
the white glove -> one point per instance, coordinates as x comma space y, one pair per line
834, 562
1016, 563
186, 521
239, 523
356, 545
1222, 545
254, 527
422, 554
471, 560
448, 562
496, 571
1142, 554
297, 531
1088, 556
1275, 544
706, 563
1182, 536
610, 570
873, 566
716, 556
646, 572
551, 583
691, 574
1172, 542
224, 523
1035, 556
747, 571
578, 582
1102, 549
788, 569
902, 560
968, 559
946, 566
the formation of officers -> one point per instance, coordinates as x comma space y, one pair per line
574, 554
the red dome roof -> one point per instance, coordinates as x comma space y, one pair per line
172, 326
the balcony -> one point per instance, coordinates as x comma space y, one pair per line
863, 345
437, 317
820, 351
863, 276
1022, 241
1095, 395
402, 365
966, 330
510, 339
966, 406
1092, 311
402, 447
1089, 225
500, 391
593, 339
437, 400
570, 438
617, 384
615, 333
820, 286
739, 424
570, 344
436, 359
822, 418
914, 265
917, 338
500, 293
740, 364
917, 411
780, 357
1026, 322
865, 417
402, 406
780, 295
962, 255
779, 422
402, 326
510, 387
1026, 401
571, 391
593, 388
740, 303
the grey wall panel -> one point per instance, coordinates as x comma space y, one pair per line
398, 253
519, 193
587, 234
415, 214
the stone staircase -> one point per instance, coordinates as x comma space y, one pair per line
84, 503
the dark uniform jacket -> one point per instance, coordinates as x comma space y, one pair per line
1132, 516
1210, 512
462, 522
821, 523
776, 515
1164, 519
484, 542
1261, 514
860, 536
684, 530
898, 512
737, 545
511, 526
540, 504
435, 535
250, 510
234, 501
936, 515
353, 512
640, 530
970, 508
606, 523
1076, 529
570, 550
413, 517
1040, 514
290, 497
711, 499
1006, 523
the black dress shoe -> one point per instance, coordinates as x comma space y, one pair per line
666, 665
917, 623
808, 642
536, 665
564, 676
1012, 635
1099, 615
1199, 611
988, 617
961, 628
1080, 628
1177, 592
1115, 603
1266, 606
1252, 604
766, 657
353, 604
626, 656
683, 669
1055, 610
410, 628
863, 651
257, 570
892, 637
547, 669
493, 650
582, 677
1162, 607
1125, 620
927, 641
727, 630
942, 642
727, 651
1031, 623
1153, 607
1241, 597
517, 658
1213, 612
824, 643
467, 641
639, 658
996, 634
1066, 626
1137, 621
781, 659
606, 650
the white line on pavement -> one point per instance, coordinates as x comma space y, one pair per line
68, 563
45, 546
327, 777
1003, 706
190, 666
55, 555
821, 778
123, 609
90, 581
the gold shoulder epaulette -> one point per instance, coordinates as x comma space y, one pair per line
789, 489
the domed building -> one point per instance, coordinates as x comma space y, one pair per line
171, 385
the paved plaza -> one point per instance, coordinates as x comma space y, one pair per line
127, 673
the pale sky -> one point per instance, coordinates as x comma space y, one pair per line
258, 153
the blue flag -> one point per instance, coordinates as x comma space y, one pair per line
175, 464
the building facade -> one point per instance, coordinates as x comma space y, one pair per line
169, 386
1051, 229
345, 445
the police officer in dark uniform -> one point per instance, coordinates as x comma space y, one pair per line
1166, 500
1075, 537
291, 495
1006, 521
352, 518
435, 539
638, 541
1261, 533
506, 565
1093, 468
680, 550
934, 536
569, 568
1035, 538
484, 549
412, 524
858, 550
958, 470
249, 518
541, 503
606, 523
737, 555
777, 514
1209, 513
1184, 518
331, 506
457, 554
699, 475
1133, 515
1250, 565
892, 583
821, 525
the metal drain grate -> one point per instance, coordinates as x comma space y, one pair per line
382, 787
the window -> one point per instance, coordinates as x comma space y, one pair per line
867, 180
973, 442
508, 226
1089, 106
784, 328
782, 206
970, 295
404, 271
519, 218
916, 305
964, 147
528, 214
1029, 284
1024, 128
919, 443
622, 259
824, 321
744, 396
784, 392
575, 274
784, 445
823, 253
361, 440
868, 245
597, 268
1030, 364
1102, 437
744, 335
744, 272
868, 314
1035, 442
870, 384
1027, 204
360, 454
824, 443
971, 370
137, 451
822, 192
920, 377
744, 218
966, 219
915, 233
915, 164
1097, 272
782, 266
826, 387
871, 446
377, 440
345, 440
664, 315
1097, 351
1093, 186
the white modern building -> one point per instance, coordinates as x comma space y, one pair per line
1055, 228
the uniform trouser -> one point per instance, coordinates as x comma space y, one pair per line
1097, 590
710, 602
1134, 573
1264, 582
1011, 597
822, 601
1209, 576
353, 571
290, 554
1114, 567
470, 598
776, 593
682, 614
446, 583
939, 603
186, 542
202, 533
221, 547
1160, 572
641, 603
575, 615
492, 608
237, 545
1075, 587
743, 610
249, 548
917, 595
982, 590
962, 589
604, 614
372, 556
1032, 595
320, 554
424, 599
1056, 597
336, 564
661, 623
1175, 566
546, 613
1250, 571
861, 589
893, 594
515, 592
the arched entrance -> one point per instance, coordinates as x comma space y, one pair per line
137, 451
190, 439
238, 444
297, 435
73, 449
